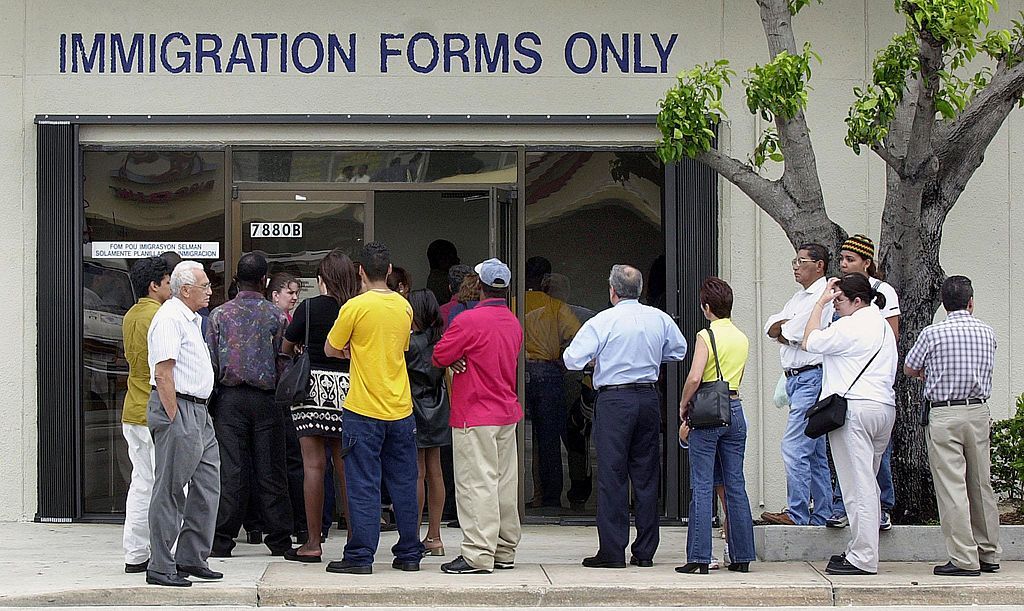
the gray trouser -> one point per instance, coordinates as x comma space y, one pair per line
186, 453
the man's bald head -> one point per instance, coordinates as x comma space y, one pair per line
626, 281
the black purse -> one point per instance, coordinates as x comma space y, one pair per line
829, 414
711, 403
293, 385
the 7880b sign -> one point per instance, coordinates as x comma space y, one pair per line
275, 230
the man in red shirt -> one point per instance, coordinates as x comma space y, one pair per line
482, 345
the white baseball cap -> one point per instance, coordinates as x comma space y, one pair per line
494, 273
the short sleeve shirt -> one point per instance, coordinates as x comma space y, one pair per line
957, 356
377, 326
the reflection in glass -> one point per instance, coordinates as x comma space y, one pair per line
135, 201
449, 166
585, 211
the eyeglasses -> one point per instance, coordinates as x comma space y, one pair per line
797, 262
203, 287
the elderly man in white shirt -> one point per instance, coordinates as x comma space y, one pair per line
859, 362
183, 435
808, 479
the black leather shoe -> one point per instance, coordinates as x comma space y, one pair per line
301, 537
254, 537
220, 553
459, 566
161, 579
199, 572
845, 568
405, 565
951, 570
294, 556
453, 524
597, 562
640, 563
142, 566
739, 567
351, 568
989, 567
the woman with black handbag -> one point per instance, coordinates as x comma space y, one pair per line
859, 367
711, 404
318, 419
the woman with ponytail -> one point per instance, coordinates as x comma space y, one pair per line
859, 363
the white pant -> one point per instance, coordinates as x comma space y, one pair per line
857, 449
136, 510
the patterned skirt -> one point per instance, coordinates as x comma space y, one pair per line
321, 415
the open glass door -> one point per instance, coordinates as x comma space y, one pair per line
296, 228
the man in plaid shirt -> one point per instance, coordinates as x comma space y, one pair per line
955, 359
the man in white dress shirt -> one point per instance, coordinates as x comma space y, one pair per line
807, 474
183, 435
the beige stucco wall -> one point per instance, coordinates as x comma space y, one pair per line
979, 237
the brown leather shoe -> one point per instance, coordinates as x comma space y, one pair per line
781, 518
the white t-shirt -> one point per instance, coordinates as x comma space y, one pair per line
847, 345
892, 300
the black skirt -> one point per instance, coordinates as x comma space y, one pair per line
321, 415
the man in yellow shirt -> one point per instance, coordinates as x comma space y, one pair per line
378, 428
151, 282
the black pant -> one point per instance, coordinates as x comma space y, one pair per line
293, 460
627, 431
250, 432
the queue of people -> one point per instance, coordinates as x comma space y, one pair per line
399, 381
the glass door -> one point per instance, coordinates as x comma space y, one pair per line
297, 227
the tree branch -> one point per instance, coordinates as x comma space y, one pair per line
765, 193
801, 171
919, 153
888, 157
1007, 84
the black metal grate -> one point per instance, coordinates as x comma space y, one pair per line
58, 327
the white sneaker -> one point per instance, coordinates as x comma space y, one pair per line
725, 556
714, 564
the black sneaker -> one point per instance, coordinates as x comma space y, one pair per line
459, 566
989, 567
142, 566
254, 537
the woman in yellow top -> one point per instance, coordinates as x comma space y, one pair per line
725, 444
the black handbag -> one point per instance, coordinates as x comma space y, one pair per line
829, 414
293, 385
710, 406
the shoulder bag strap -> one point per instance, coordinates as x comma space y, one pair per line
871, 360
714, 352
305, 346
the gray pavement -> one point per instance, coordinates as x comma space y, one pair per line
43, 565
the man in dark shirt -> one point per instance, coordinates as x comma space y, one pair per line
245, 336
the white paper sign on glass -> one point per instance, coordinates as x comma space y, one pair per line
137, 250
275, 230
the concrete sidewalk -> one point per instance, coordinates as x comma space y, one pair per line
81, 564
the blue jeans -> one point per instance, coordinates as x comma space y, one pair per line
545, 398
884, 479
381, 451
727, 443
807, 475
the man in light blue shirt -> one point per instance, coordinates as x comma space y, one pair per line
627, 344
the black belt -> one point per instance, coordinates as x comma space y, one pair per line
632, 385
934, 404
795, 372
191, 398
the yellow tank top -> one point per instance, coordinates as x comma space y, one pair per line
732, 347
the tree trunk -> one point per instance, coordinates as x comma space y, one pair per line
910, 262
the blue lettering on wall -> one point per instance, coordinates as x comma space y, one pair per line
450, 51
318, 45
523, 50
664, 51
313, 52
89, 60
264, 39
490, 56
240, 54
608, 48
334, 48
386, 51
184, 56
591, 51
203, 53
134, 55
411, 52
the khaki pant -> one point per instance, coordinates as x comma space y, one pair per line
857, 449
486, 493
958, 454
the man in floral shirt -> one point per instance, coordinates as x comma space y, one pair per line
245, 336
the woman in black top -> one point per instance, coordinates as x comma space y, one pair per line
431, 409
318, 421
